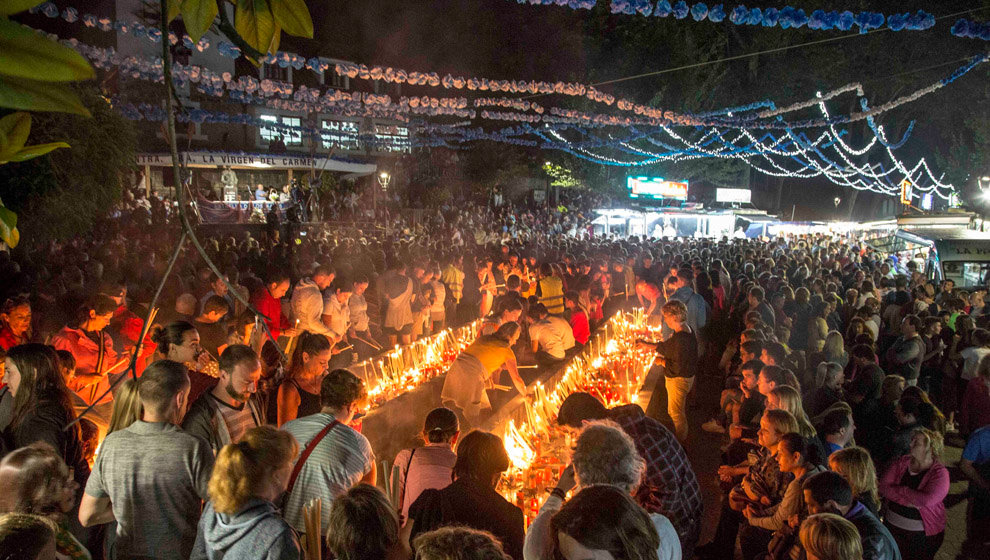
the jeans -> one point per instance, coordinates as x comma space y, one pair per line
677, 393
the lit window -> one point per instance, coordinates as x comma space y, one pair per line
391, 138
340, 134
291, 136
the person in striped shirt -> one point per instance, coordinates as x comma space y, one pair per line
224, 414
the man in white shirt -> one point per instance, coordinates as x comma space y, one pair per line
551, 335
307, 301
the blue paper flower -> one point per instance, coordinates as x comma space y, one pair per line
716, 14
739, 15
681, 10
831, 19
799, 20
786, 17
817, 20
699, 11
846, 21
897, 22
755, 17
663, 9
770, 17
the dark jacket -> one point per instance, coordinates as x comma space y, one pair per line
47, 422
472, 504
254, 533
205, 421
878, 543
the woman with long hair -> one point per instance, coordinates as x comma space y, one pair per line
793, 457
126, 406
241, 520
179, 341
785, 397
299, 393
472, 370
35, 480
856, 466
42, 406
603, 519
914, 488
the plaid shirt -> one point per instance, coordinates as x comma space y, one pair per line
669, 485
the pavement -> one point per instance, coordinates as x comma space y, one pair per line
704, 451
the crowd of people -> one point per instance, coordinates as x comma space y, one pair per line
841, 369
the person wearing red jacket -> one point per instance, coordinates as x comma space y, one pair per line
268, 301
577, 317
15, 322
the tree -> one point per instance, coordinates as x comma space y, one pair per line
32, 68
65, 193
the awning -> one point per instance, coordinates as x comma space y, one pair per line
258, 161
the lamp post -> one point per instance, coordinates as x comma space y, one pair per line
383, 180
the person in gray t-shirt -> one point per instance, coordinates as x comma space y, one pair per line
151, 477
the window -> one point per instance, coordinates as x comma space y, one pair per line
275, 72
291, 137
340, 134
967, 274
334, 79
391, 138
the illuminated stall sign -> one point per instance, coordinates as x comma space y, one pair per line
656, 188
738, 196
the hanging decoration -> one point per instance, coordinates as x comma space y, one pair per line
786, 18
432, 79
971, 29
790, 154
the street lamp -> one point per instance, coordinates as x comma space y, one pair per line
983, 182
383, 179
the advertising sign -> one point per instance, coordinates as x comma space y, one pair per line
656, 187
741, 196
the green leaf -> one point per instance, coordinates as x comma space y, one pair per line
198, 15
173, 9
276, 38
254, 23
8, 7
31, 152
293, 16
14, 130
32, 95
27, 54
8, 227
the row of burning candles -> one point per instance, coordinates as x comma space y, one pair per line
406, 367
612, 368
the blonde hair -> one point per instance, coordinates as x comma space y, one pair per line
242, 467
127, 407
675, 309
782, 421
790, 400
827, 536
934, 440
856, 466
